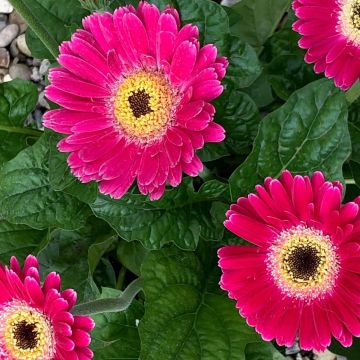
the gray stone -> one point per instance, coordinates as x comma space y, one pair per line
15, 18
20, 71
7, 78
14, 49
4, 72
229, 2
36, 62
6, 7
44, 67
3, 21
4, 58
35, 75
15, 61
42, 101
22, 46
8, 34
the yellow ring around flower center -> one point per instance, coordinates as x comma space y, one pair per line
143, 105
303, 262
26, 333
350, 20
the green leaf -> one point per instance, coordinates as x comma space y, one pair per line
131, 255
351, 353
244, 65
262, 351
74, 256
60, 18
19, 241
240, 117
213, 23
17, 99
260, 91
187, 316
355, 141
60, 176
213, 151
308, 133
116, 335
287, 70
287, 73
26, 196
181, 216
254, 21
211, 19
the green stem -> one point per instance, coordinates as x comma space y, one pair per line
353, 93
20, 130
112, 304
121, 278
36, 26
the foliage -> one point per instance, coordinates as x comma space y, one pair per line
277, 115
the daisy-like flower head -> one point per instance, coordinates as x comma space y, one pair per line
330, 31
135, 89
300, 277
35, 320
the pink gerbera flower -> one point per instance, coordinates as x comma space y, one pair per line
35, 320
301, 277
331, 33
135, 90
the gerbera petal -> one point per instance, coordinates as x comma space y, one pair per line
131, 81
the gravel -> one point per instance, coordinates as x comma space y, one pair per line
6, 7
16, 61
8, 34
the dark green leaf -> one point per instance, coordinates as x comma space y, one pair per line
287, 73
262, 351
308, 133
17, 99
131, 255
75, 255
244, 65
211, 19
355, 141
116, 335
26, 196
260, 91
254, 21
187, 316
213, 151
240, 117
60, 176
181, 216
351, 353
19, 241
60, 18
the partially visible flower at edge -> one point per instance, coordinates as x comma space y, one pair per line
36, 321
300, 278
135, 89
331, 34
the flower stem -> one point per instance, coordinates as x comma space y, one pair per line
112, 304
38, 28
121, 278
20, 130
353, 93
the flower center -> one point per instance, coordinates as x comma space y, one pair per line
25, 333
303, 263
139, 103
144, 105
350, 20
